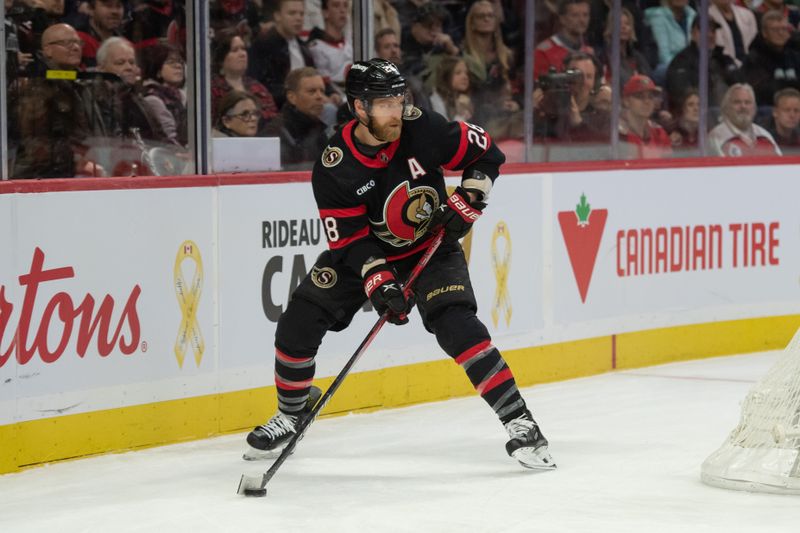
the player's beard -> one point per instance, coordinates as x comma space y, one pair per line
388, 132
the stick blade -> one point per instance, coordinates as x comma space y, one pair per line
252, 486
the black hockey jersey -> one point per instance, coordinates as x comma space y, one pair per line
381, 206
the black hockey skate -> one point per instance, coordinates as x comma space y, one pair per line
527, 444
267, 441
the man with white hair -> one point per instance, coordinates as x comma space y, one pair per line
737, 135
123, 107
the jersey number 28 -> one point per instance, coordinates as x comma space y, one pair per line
476, 135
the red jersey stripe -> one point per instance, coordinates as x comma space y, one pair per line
343, 212
341, 243
411, 252
462, 149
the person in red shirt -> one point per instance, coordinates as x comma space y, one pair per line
736, 135
573, 17
640, 137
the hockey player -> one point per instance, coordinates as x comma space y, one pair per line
380, 193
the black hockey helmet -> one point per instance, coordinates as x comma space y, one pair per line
375, 78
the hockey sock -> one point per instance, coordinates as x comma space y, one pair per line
293, 377
491, 377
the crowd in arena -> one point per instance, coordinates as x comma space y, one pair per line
89, 78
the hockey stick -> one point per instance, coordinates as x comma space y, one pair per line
256, 485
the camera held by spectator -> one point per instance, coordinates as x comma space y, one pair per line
558, 88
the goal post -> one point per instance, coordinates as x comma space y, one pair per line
762, 454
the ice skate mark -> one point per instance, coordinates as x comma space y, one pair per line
690, 378
59, 411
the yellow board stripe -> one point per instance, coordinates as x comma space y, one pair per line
35, 442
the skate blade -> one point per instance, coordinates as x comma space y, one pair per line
535, 458
254, 454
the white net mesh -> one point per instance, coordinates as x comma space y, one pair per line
762, 453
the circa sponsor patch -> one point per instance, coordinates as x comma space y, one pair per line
332, 156
324, 277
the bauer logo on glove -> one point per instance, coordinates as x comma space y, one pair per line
458, 215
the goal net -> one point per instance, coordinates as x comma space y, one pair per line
762, 454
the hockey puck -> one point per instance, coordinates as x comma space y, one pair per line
255, 493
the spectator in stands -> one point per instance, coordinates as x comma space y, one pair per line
313, 17
684, 70
640, 137
424, 42
332, 53
408, 11
490, 61
790, 13
273, 55
670, 25
785, 120
124, 110
771, 65
738, 28
53, 119
631, 60
303, 134
451, 95
151, 21
573, 16
164, 73
229, 64
385, 16
387, 46
736, 135
60, 50
572, 112
683, 129
104, 21
240, 16
598, 26
545, 21
17, 60
237, 115
31, 18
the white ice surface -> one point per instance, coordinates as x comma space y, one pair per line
628, 446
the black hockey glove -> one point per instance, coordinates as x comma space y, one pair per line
386, 294
457, 215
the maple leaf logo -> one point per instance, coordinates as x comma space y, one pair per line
582, 210
582, 230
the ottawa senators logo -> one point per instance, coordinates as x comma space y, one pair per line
324, 277
412, 113
332, 156
406, 214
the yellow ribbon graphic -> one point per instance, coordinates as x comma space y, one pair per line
188, 300
502, 264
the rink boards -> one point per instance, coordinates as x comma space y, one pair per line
139, 313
